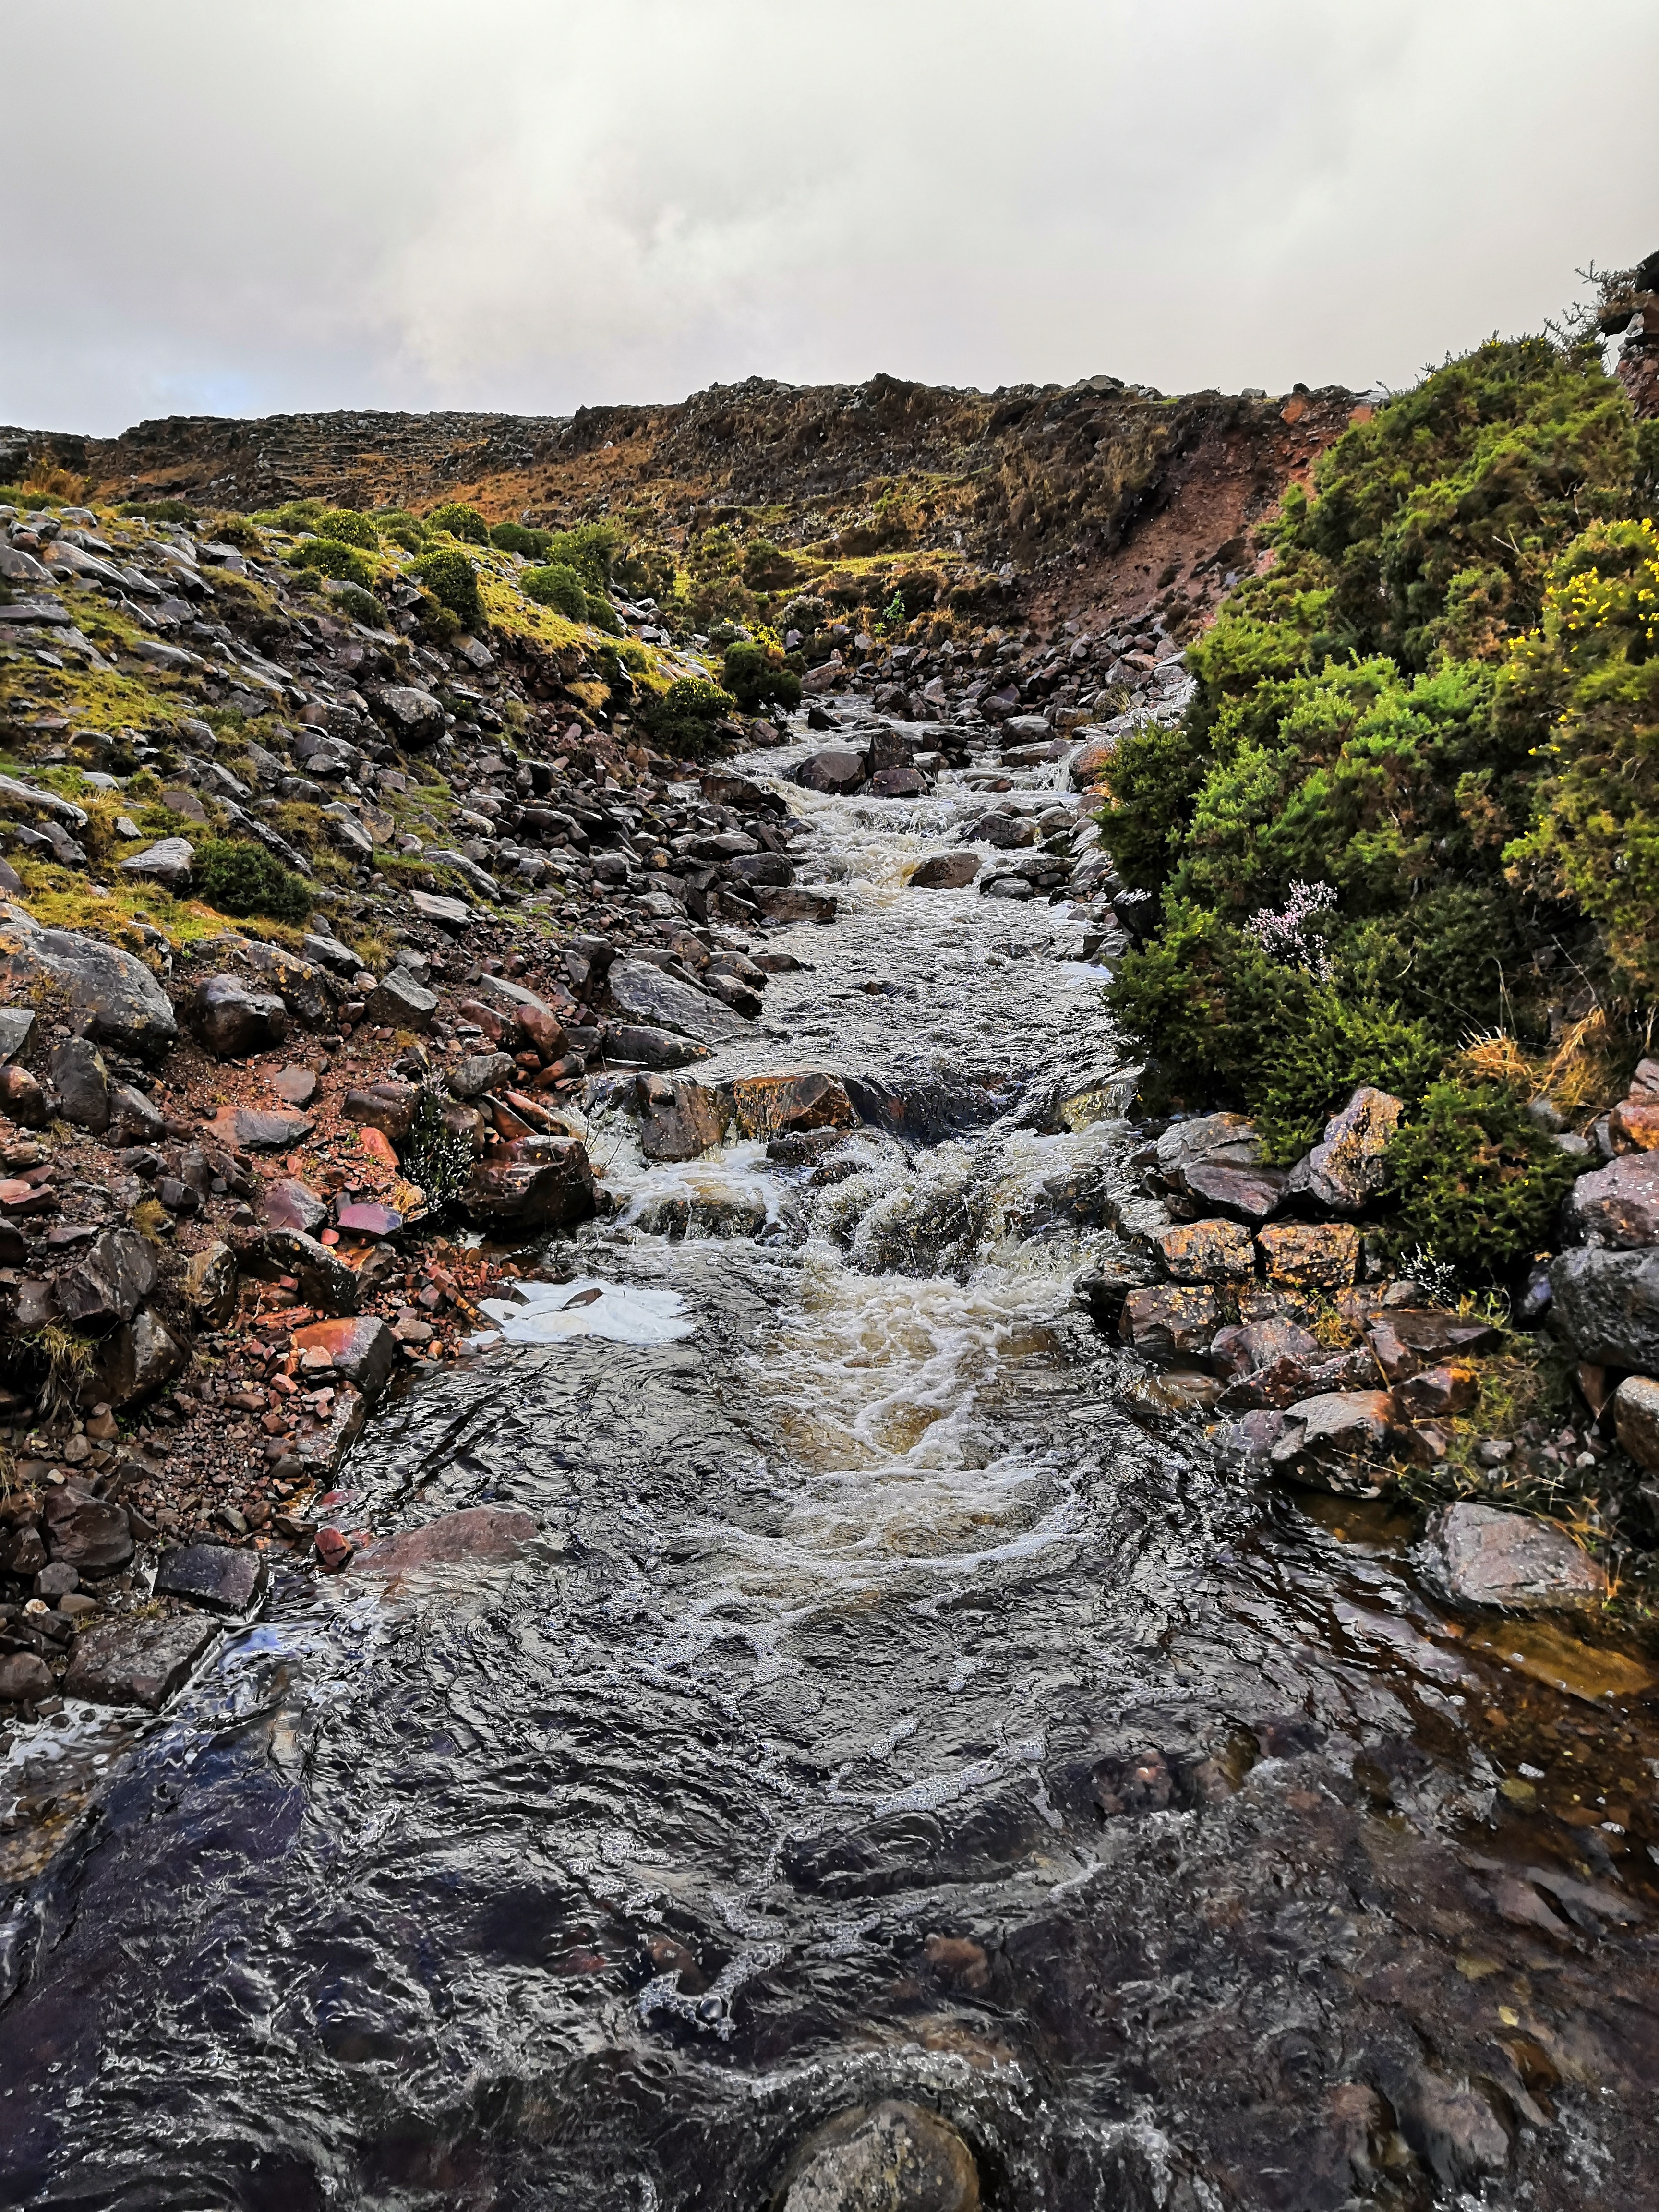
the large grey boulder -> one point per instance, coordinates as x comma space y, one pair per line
647, 993
125, 1006
1607, 1305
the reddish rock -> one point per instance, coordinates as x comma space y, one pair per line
476, 1533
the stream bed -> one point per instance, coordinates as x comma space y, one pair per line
901, 1700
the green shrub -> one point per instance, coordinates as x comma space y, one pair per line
557, 586
363, 606
453, 582
144, 510
758, 675
682, 720
242, 877
590, 549
347, 528
1480, 1183
460, 521
515, 538
329, 558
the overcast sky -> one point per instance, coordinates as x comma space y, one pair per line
528, 204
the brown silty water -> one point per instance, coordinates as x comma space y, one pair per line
902, 1702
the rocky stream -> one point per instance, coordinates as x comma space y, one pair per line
865, 1746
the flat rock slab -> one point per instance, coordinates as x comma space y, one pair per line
136, 1662
215, 1576
475, 1534
1481, 1555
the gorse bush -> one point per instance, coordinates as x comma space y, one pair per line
460, 521
238, 876
453, 582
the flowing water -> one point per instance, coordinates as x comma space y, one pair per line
901, 1700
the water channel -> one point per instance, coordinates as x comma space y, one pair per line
901, 1700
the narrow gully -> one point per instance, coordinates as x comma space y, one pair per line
899, 1701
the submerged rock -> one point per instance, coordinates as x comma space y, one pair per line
1482, 1555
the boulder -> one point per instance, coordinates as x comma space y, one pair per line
835, 769
232, 1022
327, 1283
1339, 1440
258, 1129
124, 1004
168, 862
1346, 1171
638, 1044
646, 993
136, 1662
291, 1203
1616, 1206
1216, 1251
135, 1360
82, 1082
1169, 1322
546, 1184
475, 1534
767, 1105
1482, 1555
887, 2157
362, 1348
1310, 1255
109, 1282
945, 872
210, 1284
217, 1577
1636, 1419
679, 1121
1607, 1305
88, 1534
399, 1002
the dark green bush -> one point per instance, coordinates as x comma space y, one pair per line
363, 606
242, 877
515, 538
682, 720
1479, 1184
558, 587
330, 558
347, 528
459, 521
758, 675
453, 582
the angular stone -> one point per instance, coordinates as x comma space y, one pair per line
233, 1022
127, 1007
1617, 1206
82, 1082
1482, 1555
1214, 1251
476, 1534
766, 1105
1311, 1255
785, 906
1338, 1441
388, 1107
253, 1129
168, 862
679, 1121
1606, 1304
24, 1678
88, 1534
217, 1577
1168, 1322
325, 1281
291, 1203
1346, 1171
546, 1185
945, 872
135, 1360
637, 1044
363, 1348
1636, 1419
1434, 1391
645, 992
136, 1662
835, 769
109, 1282
399, 1002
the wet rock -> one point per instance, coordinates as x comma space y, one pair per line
388, 1107
767, 1105
1482, 1555
888, 2157
679, 1121
233, 1022
82, 1082
648, 995
1617, 1206
1338, 1441
400, 1002
945, 872
215, 1576
478, 1072
126, 1006
291, 1203
1606, 1304
255, 1129
24, 1679
210, 1284
547, 1185
475, 1534
135, 1360
1636, 1419
1216, 1251
1168, 1322
1311, 1255
327, 1283
1346, 1171
23, 1100
136, 1662
109, 1282
168, 862
835, 769
88, 1534
360, 1348
637, 1044
783, 906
